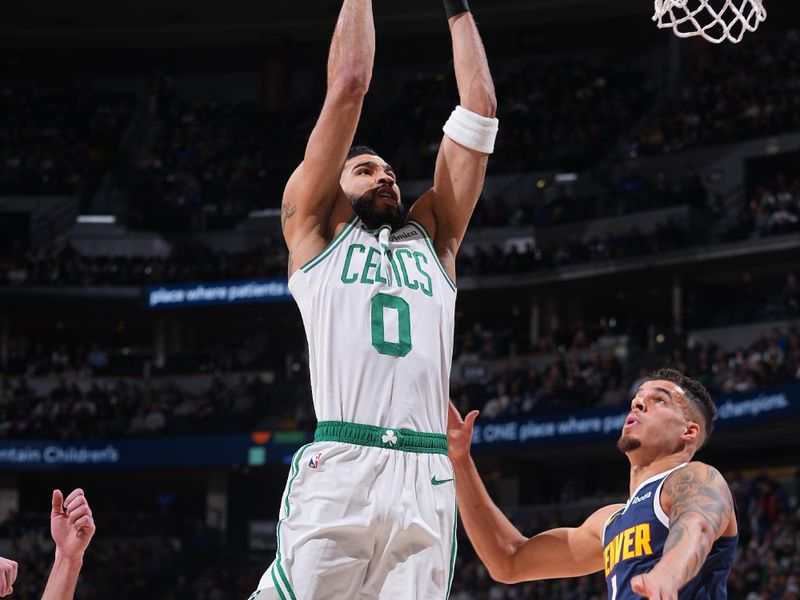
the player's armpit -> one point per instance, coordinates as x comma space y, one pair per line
561, 552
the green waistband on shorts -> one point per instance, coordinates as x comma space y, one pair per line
406, 440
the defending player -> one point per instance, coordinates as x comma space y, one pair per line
369, 509
72, 528
674, 538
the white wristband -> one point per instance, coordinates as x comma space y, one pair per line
472, 130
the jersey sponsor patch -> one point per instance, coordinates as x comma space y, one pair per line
404, 236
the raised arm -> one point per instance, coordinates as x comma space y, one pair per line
509, 556
460, 168
313, 197
72, 527
700, 508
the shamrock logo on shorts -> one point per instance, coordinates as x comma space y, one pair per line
389, 438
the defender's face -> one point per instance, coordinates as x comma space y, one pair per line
367, 177
658, 418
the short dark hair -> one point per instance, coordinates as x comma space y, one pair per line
357, 150
695, 392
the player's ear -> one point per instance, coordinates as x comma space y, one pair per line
692, 432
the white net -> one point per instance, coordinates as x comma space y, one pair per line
715, 20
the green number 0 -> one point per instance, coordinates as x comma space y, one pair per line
403, 345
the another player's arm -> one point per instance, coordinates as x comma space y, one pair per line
458, 179
8, 575
509, 556
313, 192
72, 527
700, 508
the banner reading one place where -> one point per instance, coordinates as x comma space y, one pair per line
218, 292
733, 411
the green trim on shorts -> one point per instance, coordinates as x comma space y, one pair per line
405, 440
293, 473
453, 551
276, 584
330, 247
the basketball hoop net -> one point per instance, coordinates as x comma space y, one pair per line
715, 20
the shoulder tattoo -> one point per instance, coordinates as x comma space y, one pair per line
697, 491
288, 209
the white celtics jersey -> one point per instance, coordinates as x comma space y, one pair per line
378, 310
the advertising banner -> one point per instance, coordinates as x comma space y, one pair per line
218, 292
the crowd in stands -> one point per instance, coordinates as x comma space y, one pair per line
554, 378
209, 163
140, 552
60, 138
772, 208
574, 380
31, 356
739, 92
747, 300
528, 256
61, 264
474, 340
775, 206
213, 162
84, 408
619, 191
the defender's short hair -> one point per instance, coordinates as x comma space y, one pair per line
357, 150
695, 392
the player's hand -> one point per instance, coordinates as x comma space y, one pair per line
71, 524
653, 587
459, 432
8, 574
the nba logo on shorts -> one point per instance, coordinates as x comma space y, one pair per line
314, 462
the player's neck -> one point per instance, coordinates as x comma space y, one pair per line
643, 468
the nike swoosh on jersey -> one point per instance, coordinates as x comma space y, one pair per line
435, 481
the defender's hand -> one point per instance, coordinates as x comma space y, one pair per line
71, 524
459, 432
8, 574
653, 587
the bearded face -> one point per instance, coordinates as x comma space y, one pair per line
370, 184
374, 210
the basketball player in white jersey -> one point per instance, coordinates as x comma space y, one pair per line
369, 510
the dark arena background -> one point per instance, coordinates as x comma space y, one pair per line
642, 209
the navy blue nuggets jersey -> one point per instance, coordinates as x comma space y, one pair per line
633, 542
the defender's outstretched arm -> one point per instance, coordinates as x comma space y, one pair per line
509, 556
313, 189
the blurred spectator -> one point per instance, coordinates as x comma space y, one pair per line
62, 138
740, 92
